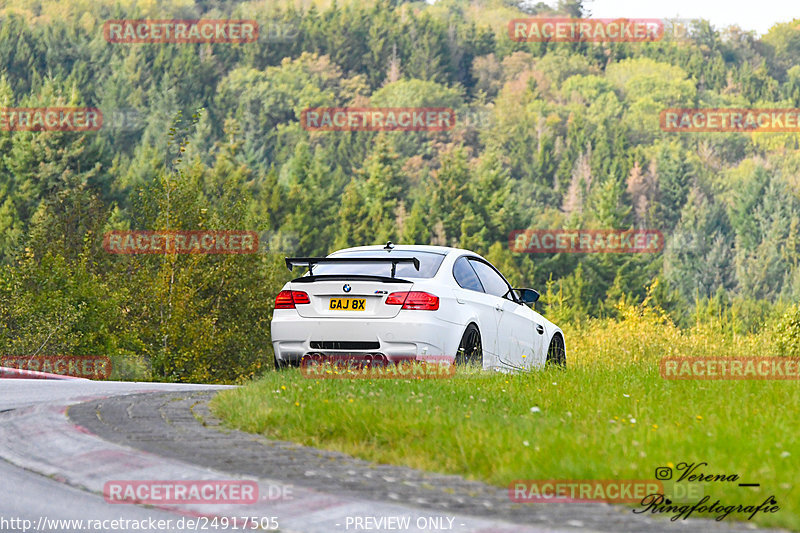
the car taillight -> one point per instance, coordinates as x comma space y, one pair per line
288, 299
414, 300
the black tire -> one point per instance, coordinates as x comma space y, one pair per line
470, 351
556, 353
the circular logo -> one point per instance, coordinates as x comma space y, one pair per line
346, 288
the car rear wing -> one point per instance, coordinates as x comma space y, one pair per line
291, 262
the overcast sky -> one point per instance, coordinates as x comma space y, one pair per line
757, 15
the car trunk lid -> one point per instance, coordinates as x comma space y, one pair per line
349, 298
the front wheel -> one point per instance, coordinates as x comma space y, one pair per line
556, 353
470, 351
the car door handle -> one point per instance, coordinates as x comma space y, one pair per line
499, 307
540, 329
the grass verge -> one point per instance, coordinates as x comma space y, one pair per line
610, 415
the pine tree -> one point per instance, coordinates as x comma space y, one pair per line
450, 194
370, 202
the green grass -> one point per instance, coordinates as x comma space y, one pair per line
610, 415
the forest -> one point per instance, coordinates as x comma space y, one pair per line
548, 135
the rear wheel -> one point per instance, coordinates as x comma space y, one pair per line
470, 351
556, 353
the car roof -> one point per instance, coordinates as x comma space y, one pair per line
444, 250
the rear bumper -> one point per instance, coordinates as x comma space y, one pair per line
408, 335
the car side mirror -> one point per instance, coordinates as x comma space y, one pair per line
527, 296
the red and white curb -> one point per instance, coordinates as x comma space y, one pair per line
40, 438
18, 373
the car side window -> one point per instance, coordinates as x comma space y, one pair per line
465, 276
492, 282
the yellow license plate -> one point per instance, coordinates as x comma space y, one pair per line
347, 304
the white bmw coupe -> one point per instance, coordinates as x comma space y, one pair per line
395, 303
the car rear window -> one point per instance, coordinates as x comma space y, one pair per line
429, 263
